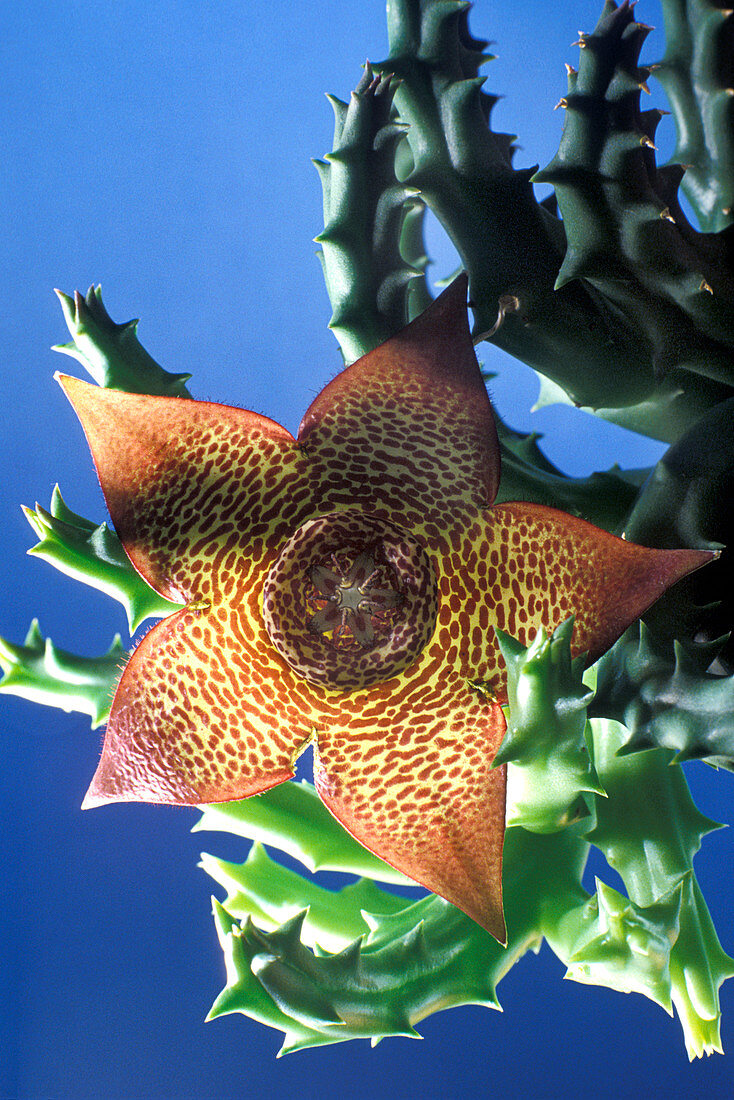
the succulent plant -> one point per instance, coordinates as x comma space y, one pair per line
623, 307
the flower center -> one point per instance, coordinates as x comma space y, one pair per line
351, 600
355, 601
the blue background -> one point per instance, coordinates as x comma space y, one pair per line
162, 148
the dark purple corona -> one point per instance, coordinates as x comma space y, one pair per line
351, 600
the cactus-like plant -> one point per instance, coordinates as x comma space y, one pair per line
623, 307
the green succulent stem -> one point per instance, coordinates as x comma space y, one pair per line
324, 965
294, 817
406, 964
604, 498
93, 554
111, 352
547, 733
649, 830
371, 246
627, 235
42, 673
271, 894
667, 697
697, 74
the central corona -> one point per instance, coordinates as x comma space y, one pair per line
351, 600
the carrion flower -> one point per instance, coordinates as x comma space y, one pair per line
342, 588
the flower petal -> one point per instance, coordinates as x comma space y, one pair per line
541, 565
408, 773
522, 566
206, 711
409, 427
193, 487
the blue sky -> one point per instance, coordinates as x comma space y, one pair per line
163, 149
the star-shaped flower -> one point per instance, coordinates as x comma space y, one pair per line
342, 588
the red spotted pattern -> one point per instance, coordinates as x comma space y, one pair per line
408, 430
218, 700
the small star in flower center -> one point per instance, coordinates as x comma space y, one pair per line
360, 601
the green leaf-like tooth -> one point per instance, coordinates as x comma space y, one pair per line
111, 352
243, 992
627, 946
42, 673
95, 556
285, 971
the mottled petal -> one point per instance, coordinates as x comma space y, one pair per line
206, 711
193, 488
408, 429
543, 565
408, 772
522, 566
